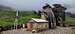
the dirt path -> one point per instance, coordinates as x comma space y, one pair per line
58, 30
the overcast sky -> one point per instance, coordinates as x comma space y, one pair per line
37, 4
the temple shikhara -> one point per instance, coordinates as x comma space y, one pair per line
50, 18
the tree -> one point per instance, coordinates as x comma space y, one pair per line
35, 12
39, 13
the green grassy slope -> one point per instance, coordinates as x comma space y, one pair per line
70, 20
26, 16
8, 17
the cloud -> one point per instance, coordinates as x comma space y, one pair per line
35, 4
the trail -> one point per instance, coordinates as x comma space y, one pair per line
58, 30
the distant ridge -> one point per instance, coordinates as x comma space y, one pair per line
70, 14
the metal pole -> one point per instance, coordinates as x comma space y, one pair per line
16, 20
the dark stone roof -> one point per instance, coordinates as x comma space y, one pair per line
47, 6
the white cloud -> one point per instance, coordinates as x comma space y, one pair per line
35, 4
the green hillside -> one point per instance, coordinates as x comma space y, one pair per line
8, 17
70, 20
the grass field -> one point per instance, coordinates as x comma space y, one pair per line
70, 20
8, 17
